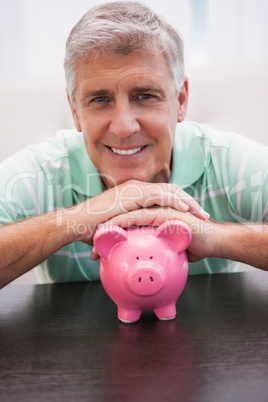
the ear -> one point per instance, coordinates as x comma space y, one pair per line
107, 237
177, 232
183, 101
75, 115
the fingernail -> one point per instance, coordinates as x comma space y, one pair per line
205, 214
93, 252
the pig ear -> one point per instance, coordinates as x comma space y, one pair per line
106, 237
177, 232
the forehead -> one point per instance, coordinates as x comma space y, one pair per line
136, 66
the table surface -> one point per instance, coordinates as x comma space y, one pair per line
63, 342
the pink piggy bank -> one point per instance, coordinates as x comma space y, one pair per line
144, 268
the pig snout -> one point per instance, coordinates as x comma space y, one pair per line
146, 279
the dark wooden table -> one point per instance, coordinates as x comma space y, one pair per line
63, 342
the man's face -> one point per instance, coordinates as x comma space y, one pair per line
127, 109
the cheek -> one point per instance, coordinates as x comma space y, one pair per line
89, 144
164, 130
167, 118
92, 132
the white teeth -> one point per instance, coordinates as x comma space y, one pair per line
126, 151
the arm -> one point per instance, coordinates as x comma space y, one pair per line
26, 243
235, 241
244, 243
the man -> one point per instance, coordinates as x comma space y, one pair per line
131, 161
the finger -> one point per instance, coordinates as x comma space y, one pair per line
192, 204
164, 196
94, 254
171, 195
150, 194
151, 216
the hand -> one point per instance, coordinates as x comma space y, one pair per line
125, 198
205, 241
135, 194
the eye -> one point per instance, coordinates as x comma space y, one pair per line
151, 257
137, 258
99, 99
99, 102
145, 96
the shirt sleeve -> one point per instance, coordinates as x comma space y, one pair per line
248, 179
22, 187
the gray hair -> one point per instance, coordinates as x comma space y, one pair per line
119, 28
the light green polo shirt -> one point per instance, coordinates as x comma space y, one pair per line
226, 173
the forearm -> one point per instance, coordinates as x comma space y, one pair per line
24, 244
246, 243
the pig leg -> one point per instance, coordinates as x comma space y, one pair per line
126, 315
167, 312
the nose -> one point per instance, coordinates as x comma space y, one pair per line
146, 280
124, 120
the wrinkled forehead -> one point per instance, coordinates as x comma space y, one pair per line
139, 61
139, 65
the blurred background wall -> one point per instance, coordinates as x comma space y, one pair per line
33, 33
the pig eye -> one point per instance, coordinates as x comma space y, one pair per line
137, 258
151, 257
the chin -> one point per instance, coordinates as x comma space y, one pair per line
116, 180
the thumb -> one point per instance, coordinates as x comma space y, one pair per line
94, 254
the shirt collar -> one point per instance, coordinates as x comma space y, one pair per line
85, 177
188, 159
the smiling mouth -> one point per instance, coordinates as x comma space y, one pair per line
126, 151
